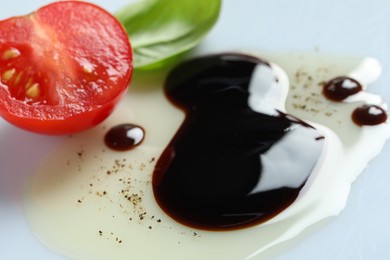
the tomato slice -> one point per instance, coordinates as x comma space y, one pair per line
63, 68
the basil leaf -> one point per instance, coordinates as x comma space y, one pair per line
161, 30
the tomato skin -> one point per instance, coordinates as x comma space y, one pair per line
76, 55
69, 125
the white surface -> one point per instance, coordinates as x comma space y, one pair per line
356, 27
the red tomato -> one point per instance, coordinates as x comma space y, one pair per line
63, 68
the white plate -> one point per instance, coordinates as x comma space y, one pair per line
356, 27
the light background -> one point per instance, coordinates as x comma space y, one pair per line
354, 27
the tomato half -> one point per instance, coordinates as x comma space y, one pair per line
63, 68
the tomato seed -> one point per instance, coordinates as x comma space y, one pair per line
28, 84
87, 70
11, 53
18, 78
7, 75
33, 91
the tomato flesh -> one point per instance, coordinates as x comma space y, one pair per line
63, 68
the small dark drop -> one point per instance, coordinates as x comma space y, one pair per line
369, 115
340, 88
124, 137
228, 166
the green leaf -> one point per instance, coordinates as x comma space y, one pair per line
161, 30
